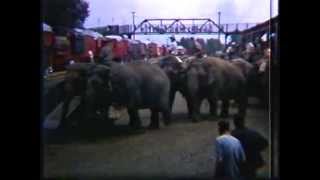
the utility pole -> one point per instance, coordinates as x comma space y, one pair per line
219, 14
270, 23
134, 26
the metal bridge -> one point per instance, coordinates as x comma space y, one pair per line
174, 26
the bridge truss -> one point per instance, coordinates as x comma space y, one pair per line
174, 26
178, 26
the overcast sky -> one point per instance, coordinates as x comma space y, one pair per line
106, 12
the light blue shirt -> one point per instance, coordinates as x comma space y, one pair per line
230, 154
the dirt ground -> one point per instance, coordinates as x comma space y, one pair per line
184, 149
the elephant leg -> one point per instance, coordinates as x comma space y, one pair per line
135, 121
195, 110
166, 115
83, 116
65, 109
225, 108
106, 115
242, 105
188, 101
189, 106
154, 119
172, 96
213, 106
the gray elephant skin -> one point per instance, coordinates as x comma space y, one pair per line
208, 78
136, 85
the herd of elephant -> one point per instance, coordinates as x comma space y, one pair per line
153, 84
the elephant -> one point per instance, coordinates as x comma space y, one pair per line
140, 85
175, 69
216, 79
256, 68
208, 78
135, 85
257, 76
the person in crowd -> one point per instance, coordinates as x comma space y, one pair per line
231, 51
106, 54
230, 155
197, 48
91, 56
253, 143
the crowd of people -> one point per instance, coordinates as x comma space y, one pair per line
238, 152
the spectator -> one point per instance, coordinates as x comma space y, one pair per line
197, 48
230, 154
253, 143
91, 56
267, 53
106, 54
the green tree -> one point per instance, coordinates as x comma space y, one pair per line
65, 13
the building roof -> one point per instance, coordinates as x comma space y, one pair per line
265, 26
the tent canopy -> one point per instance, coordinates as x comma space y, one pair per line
46, 27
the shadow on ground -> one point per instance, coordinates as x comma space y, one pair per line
94, 134
98, 131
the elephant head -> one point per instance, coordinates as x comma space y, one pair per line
174, 67
98, 91
90, 82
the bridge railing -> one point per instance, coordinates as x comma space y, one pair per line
177, 28
186, 28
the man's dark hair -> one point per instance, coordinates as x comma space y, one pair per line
223, 126
238, 121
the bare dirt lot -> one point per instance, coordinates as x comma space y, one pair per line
184, 149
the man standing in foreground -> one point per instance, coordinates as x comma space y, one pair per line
230, 154
253, 143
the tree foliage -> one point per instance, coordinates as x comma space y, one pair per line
65, 13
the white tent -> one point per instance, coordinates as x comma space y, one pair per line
180, 47
264, 37
114, 37
92, 34
78, 30
88, 33
133, 41
146, 41
46, 27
